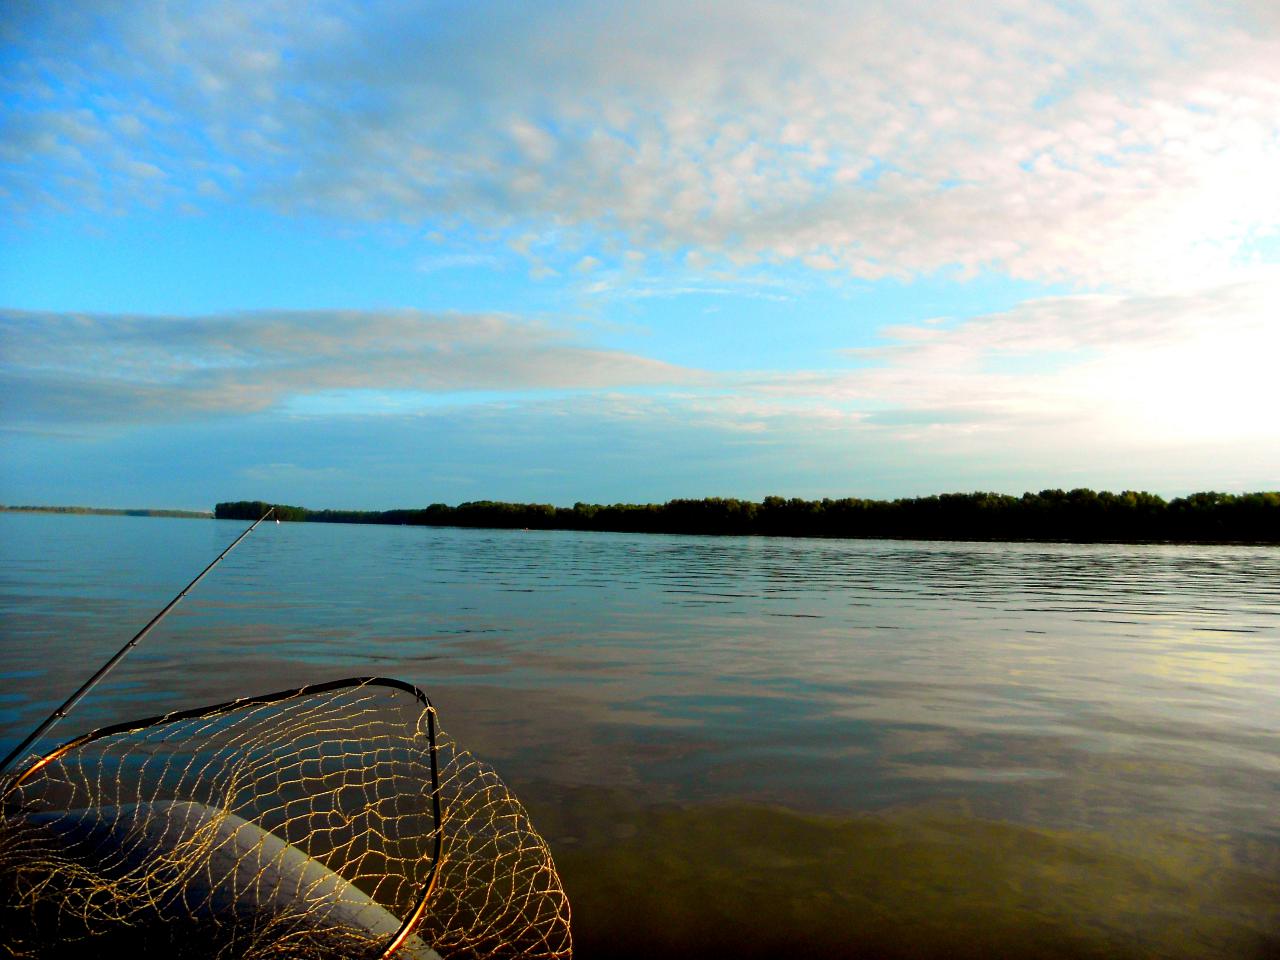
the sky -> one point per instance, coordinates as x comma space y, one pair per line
384, 254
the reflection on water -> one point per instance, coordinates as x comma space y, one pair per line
919, 748
932, 882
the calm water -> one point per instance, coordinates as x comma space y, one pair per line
775, 747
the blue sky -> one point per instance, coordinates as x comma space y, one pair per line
389, 253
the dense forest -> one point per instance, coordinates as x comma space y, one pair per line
1076, 515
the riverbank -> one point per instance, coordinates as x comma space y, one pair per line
1076, 516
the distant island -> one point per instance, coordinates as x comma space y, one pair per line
1080, 515
110, 512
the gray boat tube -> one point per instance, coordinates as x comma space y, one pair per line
244, 869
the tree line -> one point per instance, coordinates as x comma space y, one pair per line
1079, 515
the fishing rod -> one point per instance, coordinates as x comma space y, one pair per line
120, 654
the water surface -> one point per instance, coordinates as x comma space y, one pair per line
810, 747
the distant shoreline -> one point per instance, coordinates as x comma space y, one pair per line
1051, 516
114, 512
1075, 516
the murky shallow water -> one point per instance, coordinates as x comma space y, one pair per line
766, 746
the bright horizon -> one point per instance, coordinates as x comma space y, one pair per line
383, 255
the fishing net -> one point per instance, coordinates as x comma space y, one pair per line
334, 821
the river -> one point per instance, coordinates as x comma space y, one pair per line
760, 747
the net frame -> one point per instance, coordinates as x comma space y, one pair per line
409, 923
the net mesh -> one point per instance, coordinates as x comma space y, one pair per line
317, 823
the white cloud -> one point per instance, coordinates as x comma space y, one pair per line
1094, 370
1177, 382
1107, 143
122, 369
1170, 393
